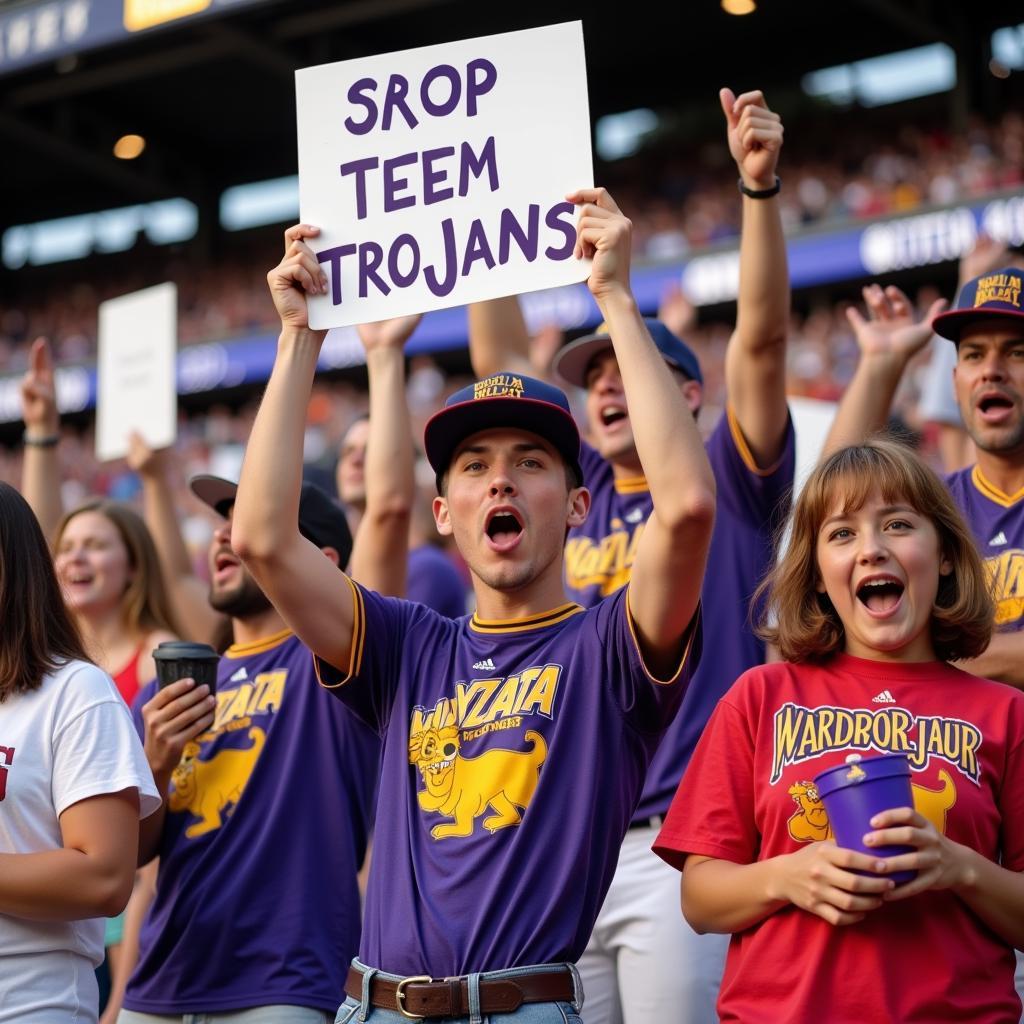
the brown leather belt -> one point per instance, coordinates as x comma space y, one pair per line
420, 997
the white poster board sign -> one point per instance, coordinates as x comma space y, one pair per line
438, 176
136, 384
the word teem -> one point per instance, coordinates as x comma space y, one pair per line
433, 177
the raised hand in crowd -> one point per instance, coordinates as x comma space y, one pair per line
669, 565
188, 593
985, 255
677, 312
891, 329
41, 469
888, 338
755, 358
378, 552
755, 137
39, 393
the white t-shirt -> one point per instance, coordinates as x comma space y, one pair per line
71, 739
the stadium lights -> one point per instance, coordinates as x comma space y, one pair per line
739, 7
128, 147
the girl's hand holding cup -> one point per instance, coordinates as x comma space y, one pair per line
824, 879
940, 863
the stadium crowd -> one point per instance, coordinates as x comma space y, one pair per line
683, 205
646, 688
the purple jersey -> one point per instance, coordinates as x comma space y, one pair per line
266, 828
435, 582
600, 553
514, 753
997, 522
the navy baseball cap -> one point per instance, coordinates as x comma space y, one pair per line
321, 519
991, 297
572, 362
504, 400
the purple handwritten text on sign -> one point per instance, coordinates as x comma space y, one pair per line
481, 75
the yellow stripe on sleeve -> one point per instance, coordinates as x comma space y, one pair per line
691, 632
744, 449
355, 657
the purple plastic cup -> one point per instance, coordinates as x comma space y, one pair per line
854, 792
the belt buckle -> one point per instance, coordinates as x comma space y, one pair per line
400, 996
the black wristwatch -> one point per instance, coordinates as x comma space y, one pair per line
48, 441
764, 193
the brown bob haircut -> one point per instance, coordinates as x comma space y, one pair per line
802, 622
145, 605
38, 632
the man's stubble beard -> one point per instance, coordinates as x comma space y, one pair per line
242, 601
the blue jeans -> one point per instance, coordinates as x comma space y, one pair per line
355, 1011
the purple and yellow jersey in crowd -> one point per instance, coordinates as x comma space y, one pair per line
600, 554
266, 828
997, 522
434, 581
514, 753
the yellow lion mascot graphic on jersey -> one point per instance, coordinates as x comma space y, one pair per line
207, 788
464, 787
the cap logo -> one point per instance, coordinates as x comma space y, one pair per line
998, 288
502, 385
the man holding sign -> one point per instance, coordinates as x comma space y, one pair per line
516, 740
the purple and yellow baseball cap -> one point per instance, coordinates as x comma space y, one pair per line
571, 362
991, 297
504, 400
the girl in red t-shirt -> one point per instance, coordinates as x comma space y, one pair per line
879, 589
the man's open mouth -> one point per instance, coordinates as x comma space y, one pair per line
612, 414
880, 595
503, 527
994, 402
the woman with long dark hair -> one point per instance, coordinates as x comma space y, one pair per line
113, 586
73, 784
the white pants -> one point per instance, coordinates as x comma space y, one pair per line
644, 963
256, 1015
58, 987
1019, 979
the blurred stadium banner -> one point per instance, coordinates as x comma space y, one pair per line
873, 249
44, 30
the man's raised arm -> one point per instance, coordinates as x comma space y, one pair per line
380, 553
755, 360
669, 566
301, 583
499, 340
888, 340
40, 473
189, 595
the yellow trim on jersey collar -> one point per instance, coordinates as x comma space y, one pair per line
631, 485
990, 491
548, 618
258, 646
